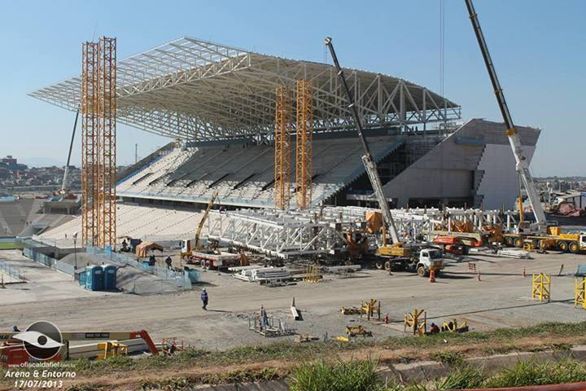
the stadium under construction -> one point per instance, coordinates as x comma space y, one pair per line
298, 201
257, 131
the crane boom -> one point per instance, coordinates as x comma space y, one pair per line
367, 159
65, 184
522, 164
196, 244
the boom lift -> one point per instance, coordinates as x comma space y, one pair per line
186, 249
396, 248
196, 244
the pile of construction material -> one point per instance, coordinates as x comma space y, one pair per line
261, 274
502, 252
269, 326
312, 233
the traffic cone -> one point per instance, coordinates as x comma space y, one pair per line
432, 276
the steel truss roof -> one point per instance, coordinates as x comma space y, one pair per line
201, 91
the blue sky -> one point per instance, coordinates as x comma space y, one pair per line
538, 46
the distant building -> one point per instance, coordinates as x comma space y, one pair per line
11, 164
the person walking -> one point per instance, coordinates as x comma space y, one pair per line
204, 299
169, 262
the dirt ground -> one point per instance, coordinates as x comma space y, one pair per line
502, 298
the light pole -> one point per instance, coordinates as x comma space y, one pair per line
75, 252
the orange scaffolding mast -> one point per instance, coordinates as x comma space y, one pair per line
107, 133
98, 109
303, 151
90, 142
282, 148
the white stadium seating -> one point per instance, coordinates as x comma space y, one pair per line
243, 174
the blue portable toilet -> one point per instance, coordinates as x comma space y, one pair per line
109, 277
95, 278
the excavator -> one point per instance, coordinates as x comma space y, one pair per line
397, 252
529, 235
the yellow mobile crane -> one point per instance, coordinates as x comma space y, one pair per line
537, 234
396, 247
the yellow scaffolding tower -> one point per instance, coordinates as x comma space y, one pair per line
90, 143
107, 134
580, 292
98, 109
540, 286
303, 146
282, 148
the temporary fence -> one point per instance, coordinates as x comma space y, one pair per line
46, 260
181, 278
12, 271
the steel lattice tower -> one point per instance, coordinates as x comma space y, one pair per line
107, 134
90, 142
98, 109
282, 148
303, 151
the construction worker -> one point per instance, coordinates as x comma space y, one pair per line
434, 329
204, 299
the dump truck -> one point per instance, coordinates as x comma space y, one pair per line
419, 261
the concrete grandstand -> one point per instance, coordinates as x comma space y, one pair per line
146, 223
25, 217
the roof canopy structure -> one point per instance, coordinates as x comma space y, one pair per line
201, 91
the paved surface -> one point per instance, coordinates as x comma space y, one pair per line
42, 284
500, 299
6, 278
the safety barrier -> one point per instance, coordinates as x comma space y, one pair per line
580, 292
46, 260
416, 322
540, 286
181, 278
312, 274
12, 271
